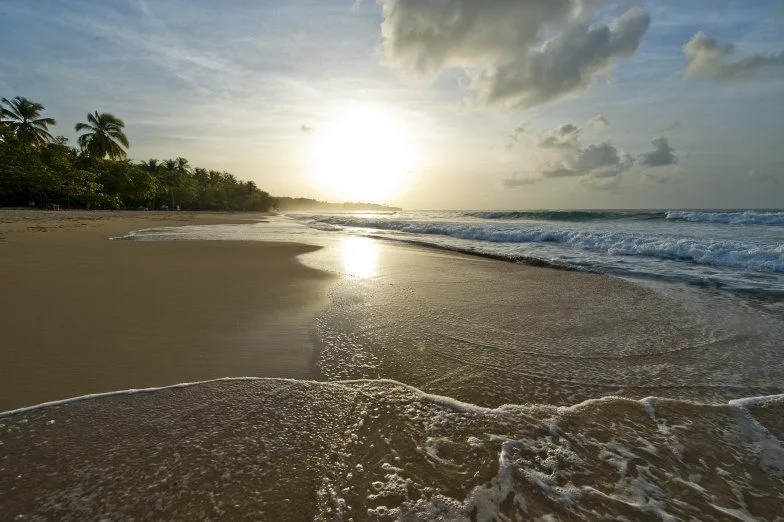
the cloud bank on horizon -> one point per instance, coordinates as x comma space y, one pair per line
517, 102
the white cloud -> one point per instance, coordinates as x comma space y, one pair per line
662, 154
305, 128
519, 53
711, 59
598, 122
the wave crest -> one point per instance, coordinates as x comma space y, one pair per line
726, 253
748, 217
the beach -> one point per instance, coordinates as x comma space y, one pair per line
339, 377
82, 314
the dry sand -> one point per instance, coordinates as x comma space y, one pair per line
80, 314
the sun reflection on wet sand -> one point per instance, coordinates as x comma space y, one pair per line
360, 257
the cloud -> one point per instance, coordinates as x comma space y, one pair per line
658, 179
662, 154
672, 127
514, 136
502, 44
709, 59
598, 122
516, 180
144, 8
562, 155
306, 128
756, 176
519, 129
599, 182
564, 137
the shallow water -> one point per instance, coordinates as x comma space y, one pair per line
729, 250
492, 333
298, 450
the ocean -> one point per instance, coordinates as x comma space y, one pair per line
730, 250
642, 379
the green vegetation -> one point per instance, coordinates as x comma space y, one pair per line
104, 136
36, 168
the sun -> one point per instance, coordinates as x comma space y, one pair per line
365, 153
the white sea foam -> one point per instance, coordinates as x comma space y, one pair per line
748, 217
359, 441
703, 250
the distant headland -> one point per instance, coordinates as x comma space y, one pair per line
288, 204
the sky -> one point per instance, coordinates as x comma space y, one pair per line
428, 104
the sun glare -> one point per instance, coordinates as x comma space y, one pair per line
360, 257
366, 153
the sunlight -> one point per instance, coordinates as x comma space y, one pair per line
367, 153
360, 257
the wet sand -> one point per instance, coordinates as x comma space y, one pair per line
82, 314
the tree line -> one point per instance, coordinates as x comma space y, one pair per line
37, 169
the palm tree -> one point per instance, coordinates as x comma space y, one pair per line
104, 136
151, 165
23, 120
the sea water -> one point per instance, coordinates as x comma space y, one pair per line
462, 388
734, 250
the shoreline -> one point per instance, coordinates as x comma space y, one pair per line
443, 400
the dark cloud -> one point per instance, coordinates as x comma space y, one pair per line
561, 154
514, 136
658, 179
672, 127
662, 154
711, 59
598, 166
518, 130
516, 180
500, 43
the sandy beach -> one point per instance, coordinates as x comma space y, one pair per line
82, 314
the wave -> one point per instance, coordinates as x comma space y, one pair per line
748, 217
382, 450
725, 253
570, 215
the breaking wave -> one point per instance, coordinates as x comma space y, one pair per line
570, 215
746, 217
749, 217
706, 251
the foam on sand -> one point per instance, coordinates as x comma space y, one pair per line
271, 448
